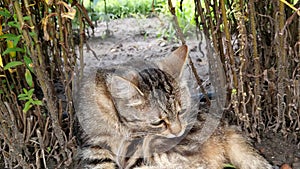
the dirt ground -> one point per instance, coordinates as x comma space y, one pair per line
138, 38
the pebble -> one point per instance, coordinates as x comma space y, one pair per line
296, 165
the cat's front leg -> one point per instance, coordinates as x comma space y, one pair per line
229, 146
94, 157
172, 160
241, 153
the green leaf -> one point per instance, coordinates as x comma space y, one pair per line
22, 95
28, 78
12, 86
32, 34
28, 63
37, 102
11, 37
5, 13
16, 49
30, 93
12, 64
24, 98
26, 18
25, 91
234, 91
27, 106
228, 166
48, 149
15, 39
14, 24
8, 35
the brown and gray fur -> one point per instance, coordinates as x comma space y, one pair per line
142, 115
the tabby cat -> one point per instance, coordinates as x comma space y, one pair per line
142, 115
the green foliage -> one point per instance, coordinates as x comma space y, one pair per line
136, 8
185, 17
27, 96
5, 13
11, 52
37, 51
28, 78
49, 149
12, 64
28, 63
168, 33
123, 8
11, 37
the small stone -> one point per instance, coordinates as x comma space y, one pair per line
275, 167
162, 44
113, 50
296, 165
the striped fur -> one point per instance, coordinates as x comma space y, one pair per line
142, 115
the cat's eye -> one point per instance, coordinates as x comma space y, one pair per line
158, 122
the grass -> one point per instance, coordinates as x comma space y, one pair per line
119, 8
136, 8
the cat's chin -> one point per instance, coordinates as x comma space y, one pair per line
168, 134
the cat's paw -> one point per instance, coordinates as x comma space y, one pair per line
167, 161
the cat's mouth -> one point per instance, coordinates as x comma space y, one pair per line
174, 128
171, 135
172, 132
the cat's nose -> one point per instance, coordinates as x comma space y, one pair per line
175, 128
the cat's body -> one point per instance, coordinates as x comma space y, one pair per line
142, 115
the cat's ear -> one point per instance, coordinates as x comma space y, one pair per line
174, 63
124, 88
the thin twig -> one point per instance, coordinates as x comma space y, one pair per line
176, 24
42, 147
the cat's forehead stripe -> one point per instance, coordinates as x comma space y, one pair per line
157, 79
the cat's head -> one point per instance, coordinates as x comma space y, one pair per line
154, 100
